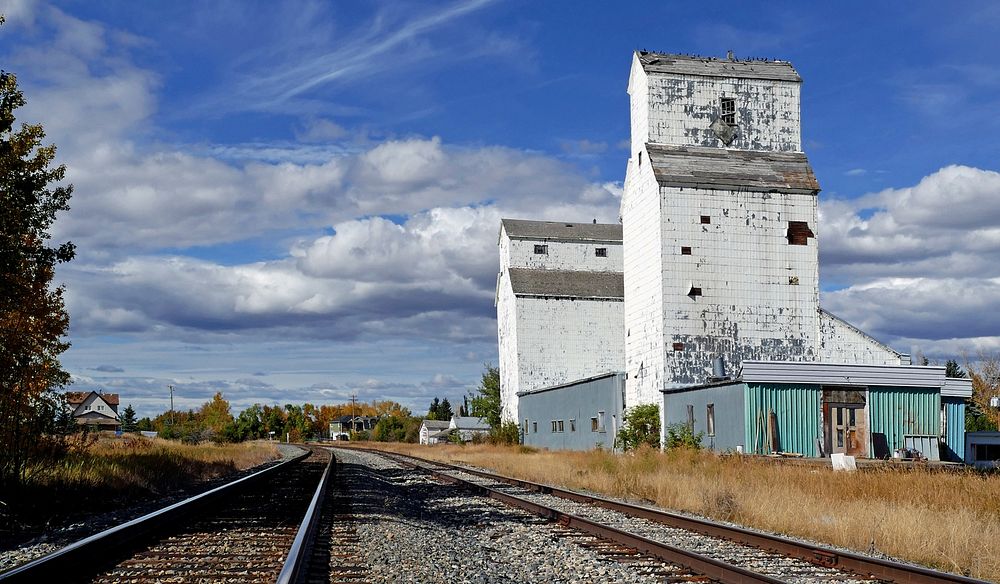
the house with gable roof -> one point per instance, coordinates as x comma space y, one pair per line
94, 409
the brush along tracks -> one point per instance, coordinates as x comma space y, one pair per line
239, 532
722, 552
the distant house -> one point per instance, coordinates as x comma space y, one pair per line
434, 431
94, 409
468, 427
347, 424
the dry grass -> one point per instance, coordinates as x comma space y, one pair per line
947, 520
117, 473
134, 463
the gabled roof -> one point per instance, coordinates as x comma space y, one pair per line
712, 67
435, 424
721, 169
555, 230
78, 397
567, 284
468, 423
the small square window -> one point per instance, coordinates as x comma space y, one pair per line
601, 252
705, 220
685, 250
541, 249
593, 424
554, 426
534, 427
678, 346
728, 110
561, 427
572, 425
694, 291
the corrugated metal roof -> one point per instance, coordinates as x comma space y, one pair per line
567, 284
840, 374
549, 230
956, 387
468, 423
712, 67
717, 168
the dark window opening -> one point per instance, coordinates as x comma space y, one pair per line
694, 291
729, 110
640, 159
678, 346
562, 428
706, 220
572, 425
710, 420
542, 249
601, 252
554, 426
690, 420
987, 451
534, 427
793, 280
685, 251
799, 233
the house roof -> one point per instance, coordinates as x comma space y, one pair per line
557, 230
435, 424
721, 169
78, 397
713, 67
567, 284
468, 423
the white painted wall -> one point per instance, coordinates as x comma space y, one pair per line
679, 109
760, 294
564, 255
841, 342
643, 307
561, 340
507, 337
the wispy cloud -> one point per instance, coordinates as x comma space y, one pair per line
386, 44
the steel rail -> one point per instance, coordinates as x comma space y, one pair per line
60, 564
296, 562
715, 569
826, 557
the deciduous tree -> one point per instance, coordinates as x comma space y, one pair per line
486, 400
33, 318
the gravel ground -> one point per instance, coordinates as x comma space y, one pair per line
411, 529
788, 569
63, 535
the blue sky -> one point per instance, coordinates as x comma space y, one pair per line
297, 201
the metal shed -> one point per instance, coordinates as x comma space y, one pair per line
578, 415
815, 409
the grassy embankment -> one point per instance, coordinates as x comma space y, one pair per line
114, 472
947, 520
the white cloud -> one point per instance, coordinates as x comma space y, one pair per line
920, 266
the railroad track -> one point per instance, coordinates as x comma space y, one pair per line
720, 552
248, 530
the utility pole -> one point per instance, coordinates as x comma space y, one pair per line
171, 387
354, 415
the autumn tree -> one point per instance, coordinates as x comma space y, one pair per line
985, 375
33, 318
215, 415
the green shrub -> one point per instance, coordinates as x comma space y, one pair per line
642, 426
506, 434
682, 436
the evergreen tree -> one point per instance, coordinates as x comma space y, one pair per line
444, 412
129, 420
951, 369
33, 317
434, 411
